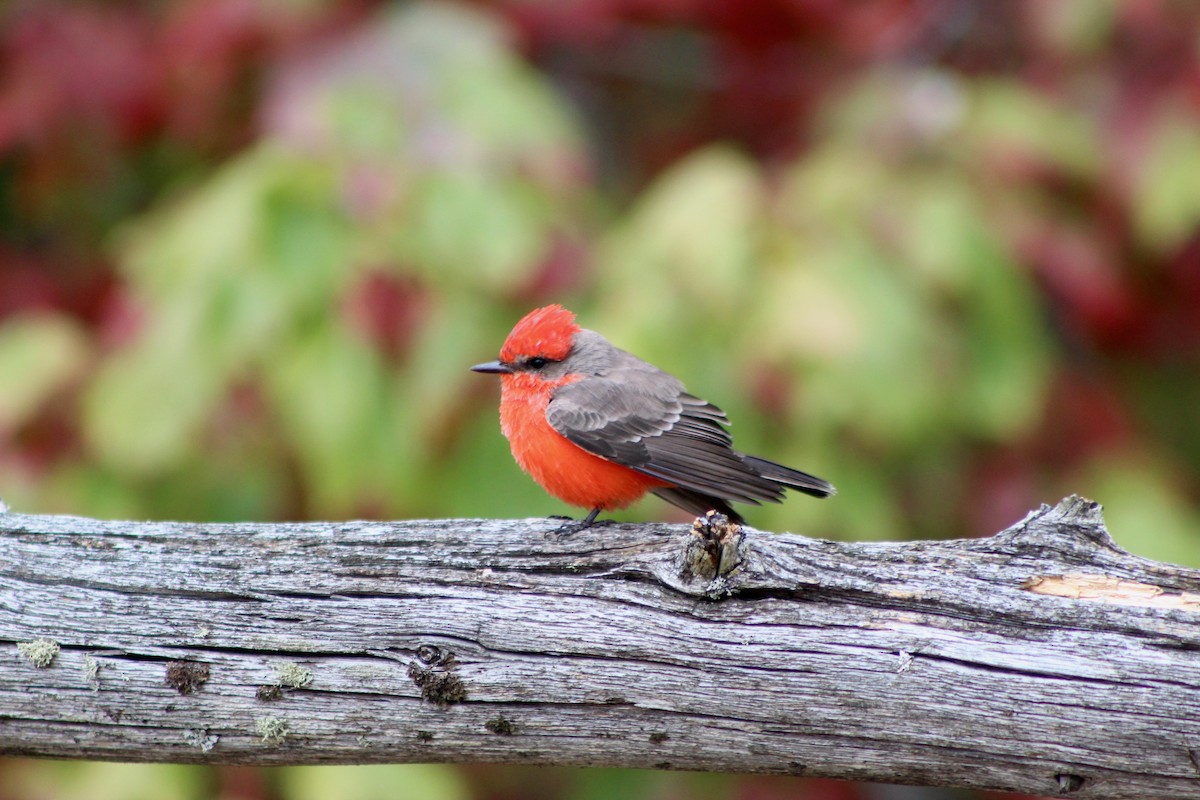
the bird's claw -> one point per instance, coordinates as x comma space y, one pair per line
575, 526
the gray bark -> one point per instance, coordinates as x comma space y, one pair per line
956, 663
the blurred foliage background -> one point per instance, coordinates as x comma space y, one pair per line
945, 253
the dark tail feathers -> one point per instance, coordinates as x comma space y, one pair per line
791, 478
699, 503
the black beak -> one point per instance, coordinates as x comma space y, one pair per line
492, 366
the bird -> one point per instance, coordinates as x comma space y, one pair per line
597, 427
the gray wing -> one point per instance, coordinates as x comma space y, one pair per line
641, 417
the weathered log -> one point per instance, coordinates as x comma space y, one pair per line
1043, 659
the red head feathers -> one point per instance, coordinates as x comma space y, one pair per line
543, 332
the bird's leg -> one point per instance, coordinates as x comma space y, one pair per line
572, 526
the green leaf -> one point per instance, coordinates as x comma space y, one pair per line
328, 390
40, 355
203, 236
1166, 207
464, 228
1006, 116
374, 782
693, 235
146, 408
98, 780
1007, 352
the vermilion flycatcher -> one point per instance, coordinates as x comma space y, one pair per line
598, 427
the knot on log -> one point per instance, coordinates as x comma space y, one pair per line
1073, 528
436, 676
712, 553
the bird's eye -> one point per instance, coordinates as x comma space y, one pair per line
537, 362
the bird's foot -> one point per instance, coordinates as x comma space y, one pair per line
575, 526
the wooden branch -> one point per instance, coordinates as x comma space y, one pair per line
1042, 660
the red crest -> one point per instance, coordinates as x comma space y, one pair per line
545, 332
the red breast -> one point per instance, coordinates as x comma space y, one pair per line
563, 469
